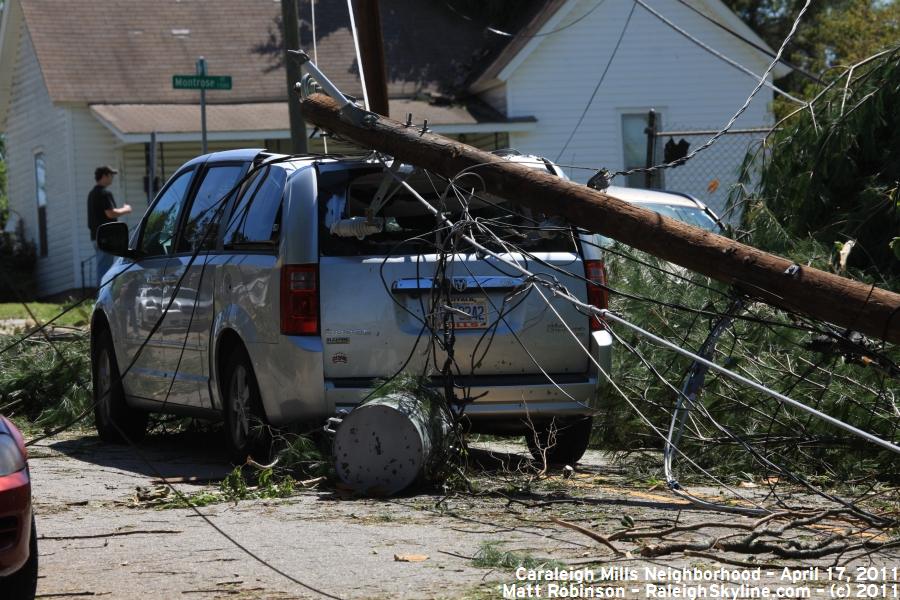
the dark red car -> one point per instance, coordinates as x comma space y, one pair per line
18, 538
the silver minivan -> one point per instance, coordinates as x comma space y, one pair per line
258, 286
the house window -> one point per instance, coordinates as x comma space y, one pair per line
40, 196
634, 147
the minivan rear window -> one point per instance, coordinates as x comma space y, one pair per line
409, 228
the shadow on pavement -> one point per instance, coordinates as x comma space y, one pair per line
184, 455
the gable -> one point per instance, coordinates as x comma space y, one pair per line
10, 30
561, 14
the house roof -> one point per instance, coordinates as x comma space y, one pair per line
554, 15
174, 122
126, 51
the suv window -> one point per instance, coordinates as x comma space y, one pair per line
257, 216
157, 237
343, 195
218, 180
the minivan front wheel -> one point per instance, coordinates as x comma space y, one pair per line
115, 421
562, 441
246, 433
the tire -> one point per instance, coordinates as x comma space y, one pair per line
246, 433
112, 415
22, 585
564, 440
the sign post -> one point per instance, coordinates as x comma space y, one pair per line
201, 81
201, 71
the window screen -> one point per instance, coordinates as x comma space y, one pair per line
256, 217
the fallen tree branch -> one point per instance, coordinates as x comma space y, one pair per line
585, 531
112, 534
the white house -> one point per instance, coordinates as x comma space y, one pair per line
86, 83
551, 77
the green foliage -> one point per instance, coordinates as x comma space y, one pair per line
832, 34
491, 555
833, 177
300, 455
45, 386
235, 487
847, 387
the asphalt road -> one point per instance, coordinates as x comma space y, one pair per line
95, 542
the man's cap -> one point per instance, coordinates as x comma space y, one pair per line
104, 170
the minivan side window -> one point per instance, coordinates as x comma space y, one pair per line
158, 235
255, 218
200, 227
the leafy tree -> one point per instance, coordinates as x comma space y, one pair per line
832, 33
835, 177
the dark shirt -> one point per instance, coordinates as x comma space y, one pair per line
100, 200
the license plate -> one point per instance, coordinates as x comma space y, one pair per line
476, 308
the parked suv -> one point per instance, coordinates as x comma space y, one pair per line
285, 304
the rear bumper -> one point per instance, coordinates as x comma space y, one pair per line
15, 521
290, 374
495, 398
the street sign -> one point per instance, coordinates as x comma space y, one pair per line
201, 82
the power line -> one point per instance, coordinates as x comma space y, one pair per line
497, 31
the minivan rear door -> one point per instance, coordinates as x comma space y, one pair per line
380, 302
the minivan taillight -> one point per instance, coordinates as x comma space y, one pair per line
300, 300
598, 295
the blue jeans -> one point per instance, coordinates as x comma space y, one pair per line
102, 262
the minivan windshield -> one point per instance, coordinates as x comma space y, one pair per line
410, 228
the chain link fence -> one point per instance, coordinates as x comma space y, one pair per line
712, 174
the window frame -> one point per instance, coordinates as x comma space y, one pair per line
658, 182
41, 209
192, 182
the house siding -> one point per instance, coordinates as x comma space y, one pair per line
92, 145
34, 124
655, 67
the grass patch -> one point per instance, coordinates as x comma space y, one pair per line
44, 311
491, 555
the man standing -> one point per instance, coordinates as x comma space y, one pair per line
102, 209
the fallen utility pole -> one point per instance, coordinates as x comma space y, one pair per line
772, 279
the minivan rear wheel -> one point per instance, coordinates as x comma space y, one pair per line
115, 421
246, 431
563, 441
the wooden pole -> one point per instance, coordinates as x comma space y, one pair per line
371, 46
772, 279
291, 37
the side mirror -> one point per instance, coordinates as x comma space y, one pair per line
113, 239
